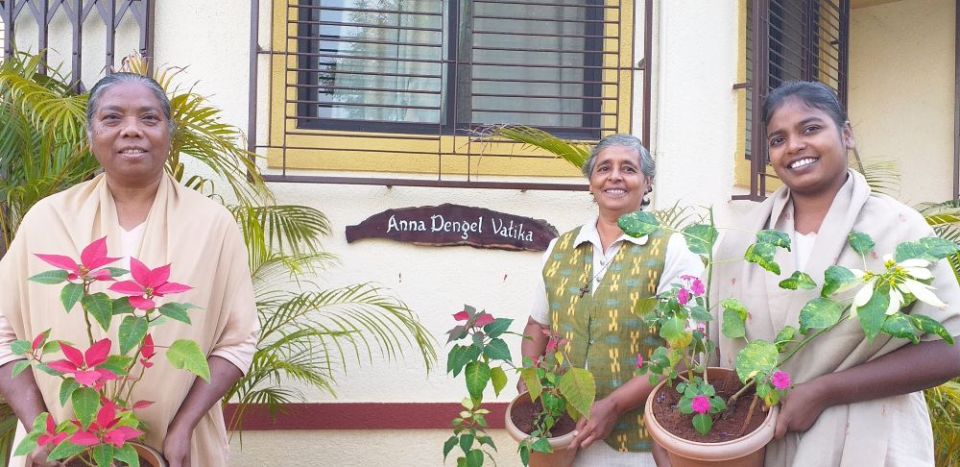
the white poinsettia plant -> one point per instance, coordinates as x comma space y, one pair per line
681, 315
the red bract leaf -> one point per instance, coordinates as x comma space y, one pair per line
170, 288
145, 363
88, 378
140, 272
121, 435
484, 320
141, 404
130, 288
106, 415
51, 425
461, 316
63, 262
98, 352
101, 275
147, 349
85, 439
157, 277
95, 255
39, 340
72, 354
62, 366
141, 303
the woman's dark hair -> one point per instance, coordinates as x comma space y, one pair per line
107, 82
813, 94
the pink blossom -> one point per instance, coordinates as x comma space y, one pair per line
84, 366
697, 288
105, 429
146, 284
51, 436
147, 351
92, 258
639, 360
781, 380
683, 296
700, 404
483, 320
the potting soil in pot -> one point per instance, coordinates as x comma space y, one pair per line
525, 412
726, 426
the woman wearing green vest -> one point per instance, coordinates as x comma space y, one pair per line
593, 276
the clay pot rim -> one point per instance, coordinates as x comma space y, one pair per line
722, 451
556, 442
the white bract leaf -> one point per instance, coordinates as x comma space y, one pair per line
914, 263
923, 292
863, 296
920, 274
896, 301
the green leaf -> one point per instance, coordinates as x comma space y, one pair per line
899, 325
487, 440
524, 451
458, 357
70, 295
674, 331
700, 238
477, 375
448, 446
121, 306
700, 313
734, 318
50, 277
909, 250
64, 450
638, 223
117, 364
128, 454
874, 312
466, 441
785, 336
117, 272
21, 347
499, 379
19, 367
775, 238
103, 455
938, 248
475, 458
86, 403
542, 445
757, 357
819, 313
578, 388
931, 326
28, 445
532, 381
67, 387
50, 347
702, 423
186, 355
497, 327
100, 307
132, 331
762, 255
497, 349
798, 280
860, 242
177, 311
837, 279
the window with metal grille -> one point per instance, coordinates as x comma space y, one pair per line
382, 87
416, 66
787, 40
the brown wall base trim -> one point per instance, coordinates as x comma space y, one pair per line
359, 416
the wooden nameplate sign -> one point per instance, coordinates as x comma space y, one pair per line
452, 224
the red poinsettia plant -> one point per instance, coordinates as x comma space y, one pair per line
99, 378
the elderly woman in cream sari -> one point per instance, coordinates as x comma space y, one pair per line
856, 402
143, 213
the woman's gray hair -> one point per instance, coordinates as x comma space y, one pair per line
647, 165
109, 81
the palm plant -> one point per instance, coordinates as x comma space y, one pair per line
306, 329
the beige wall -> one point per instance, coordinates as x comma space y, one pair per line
901, 100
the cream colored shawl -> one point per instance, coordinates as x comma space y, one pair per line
201, 241
887, 432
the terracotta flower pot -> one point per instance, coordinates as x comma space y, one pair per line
746, 451
562, 455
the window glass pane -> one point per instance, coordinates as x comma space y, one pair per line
377, 60
532, 63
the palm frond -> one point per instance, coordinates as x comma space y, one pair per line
676, 216
882, 176
284, 229
576, 154
943, 403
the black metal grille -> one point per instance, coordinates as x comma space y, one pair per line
111, 13
790, 40
432, 73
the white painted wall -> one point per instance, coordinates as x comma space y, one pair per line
901, 100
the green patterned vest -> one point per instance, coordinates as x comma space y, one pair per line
604, 333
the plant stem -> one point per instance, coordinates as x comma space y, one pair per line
753, 405
803, 343
739, 393
86, 316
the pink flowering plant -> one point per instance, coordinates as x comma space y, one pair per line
98, 379
484, 357
682, 314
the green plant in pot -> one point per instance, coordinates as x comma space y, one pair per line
557, 395
702, 415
